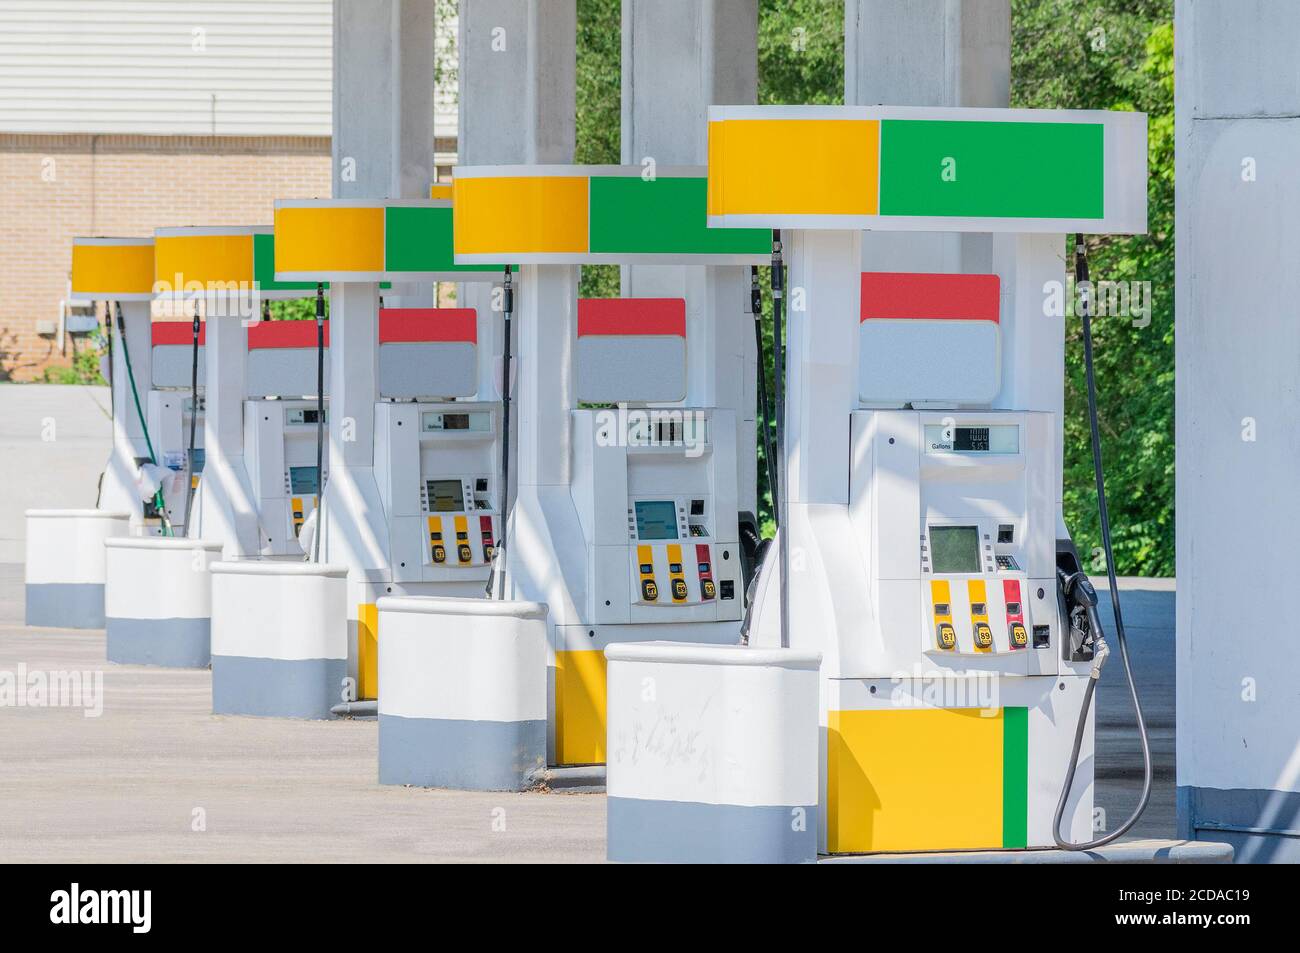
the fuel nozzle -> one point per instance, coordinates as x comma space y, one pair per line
1086, 642
1077, 587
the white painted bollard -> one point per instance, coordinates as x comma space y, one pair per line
158, 600
462, 692
712, 753
65, 565
279, 638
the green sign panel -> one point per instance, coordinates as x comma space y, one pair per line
663, 216
418, 239
992, 169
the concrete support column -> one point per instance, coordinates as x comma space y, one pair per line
382, 148
383, 108
118, 492
927, 53
822, 365
383, 99
1236, 103
517, 103
548, 331
680, 57
355, 531
228, 510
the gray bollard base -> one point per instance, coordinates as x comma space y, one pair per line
276, 688
686, 832
170, 643
71, 605
462, 755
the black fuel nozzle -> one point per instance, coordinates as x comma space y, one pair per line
1078, 587
1085, 636
755, 293
320, 303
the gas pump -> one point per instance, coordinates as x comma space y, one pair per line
258, 449
119, 272
171, 412
412, 505
280, 417
436, 449
923, 448
625, 524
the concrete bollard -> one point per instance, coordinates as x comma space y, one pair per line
158, 600
462, 692
712, 753
279, 638
65, 565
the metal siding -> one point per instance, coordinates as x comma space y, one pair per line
130, 66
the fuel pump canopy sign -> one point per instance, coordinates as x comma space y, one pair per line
895, 168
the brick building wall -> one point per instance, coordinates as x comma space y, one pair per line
55, 187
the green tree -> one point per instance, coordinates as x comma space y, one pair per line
1116, 54
1068, 54
599, 111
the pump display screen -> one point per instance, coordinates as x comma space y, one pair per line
445, 496
656, 519
303, 481
955, 548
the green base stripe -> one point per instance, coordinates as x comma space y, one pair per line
992, 169
662, 216
1015, 777
264, 268
419, 239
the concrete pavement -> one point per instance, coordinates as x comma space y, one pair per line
133, 784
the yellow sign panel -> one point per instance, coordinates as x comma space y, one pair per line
204, 261
794, 167
440, 190
914, 779
113, 269
508, 215
329, 238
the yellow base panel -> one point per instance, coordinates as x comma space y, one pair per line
914, 779
580, 707
367, 651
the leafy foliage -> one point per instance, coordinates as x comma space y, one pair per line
1069, 54
85, 362
599, 111
1116, 54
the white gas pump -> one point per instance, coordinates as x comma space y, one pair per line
625, 524
119, 272
258, 444
923, 530
436, 450
280, 418
412, 506
171, 412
